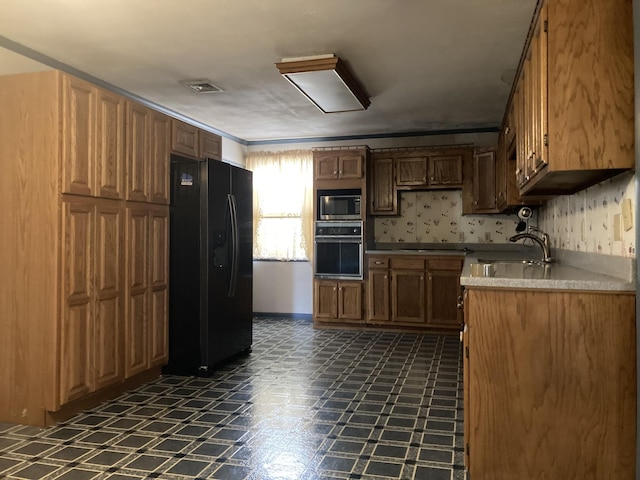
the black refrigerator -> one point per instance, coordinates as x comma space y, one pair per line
211, 266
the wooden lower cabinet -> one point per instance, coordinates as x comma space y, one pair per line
92, 315
338, 301
549, 384
146, 287
414, 291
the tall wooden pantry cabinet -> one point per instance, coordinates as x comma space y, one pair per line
83, 245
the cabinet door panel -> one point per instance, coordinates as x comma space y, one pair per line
350, 165
408, 297
158, 327
350, 301
444, 291
78, 130
76, 378
383, 194
411, 171
326, 167
136, 334
484, 181
109, 295
379, 295
326, 300
159, 157
110, 144
159, 279
138, 152
137, 290
445, 170
108, 342
184, 138
210, 145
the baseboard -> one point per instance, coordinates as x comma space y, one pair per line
297, 316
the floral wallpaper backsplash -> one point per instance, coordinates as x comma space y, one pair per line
584, 221
436, 217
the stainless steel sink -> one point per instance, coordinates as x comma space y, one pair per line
510, 269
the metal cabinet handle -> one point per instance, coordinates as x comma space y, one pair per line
460, 304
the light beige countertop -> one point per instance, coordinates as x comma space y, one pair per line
570, 271
559, 275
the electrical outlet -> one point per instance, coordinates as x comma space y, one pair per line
627, 215
617, 227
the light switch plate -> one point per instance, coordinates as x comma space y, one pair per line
617, 230
627, 214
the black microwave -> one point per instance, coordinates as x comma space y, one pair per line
339, 207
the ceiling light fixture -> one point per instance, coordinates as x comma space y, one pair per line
200, 86
326, 81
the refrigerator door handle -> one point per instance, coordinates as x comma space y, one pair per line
233, 214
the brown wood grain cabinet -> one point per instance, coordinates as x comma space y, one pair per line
411, 171
550, 384
191, 141
147, 287
445, 170
338, 164
414, 291
184, 138
383, 196
444, 292
574, 97
209, 146
148, 134
93, 122
484, 181
338, 301
64, 244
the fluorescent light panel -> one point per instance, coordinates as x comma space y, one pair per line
326, 82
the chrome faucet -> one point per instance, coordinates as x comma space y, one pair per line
541, 239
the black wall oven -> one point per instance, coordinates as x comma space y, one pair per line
338, 250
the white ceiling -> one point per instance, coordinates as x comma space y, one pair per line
427, 65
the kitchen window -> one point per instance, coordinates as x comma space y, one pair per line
282, 204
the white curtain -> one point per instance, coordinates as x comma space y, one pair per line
282, 204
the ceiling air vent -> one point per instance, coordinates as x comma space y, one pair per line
200, 86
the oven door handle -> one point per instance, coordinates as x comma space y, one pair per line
338, 239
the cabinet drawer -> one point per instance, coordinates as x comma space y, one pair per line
445, 264
378, 262
406, 263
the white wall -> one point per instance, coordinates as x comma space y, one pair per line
283, 287
233, 152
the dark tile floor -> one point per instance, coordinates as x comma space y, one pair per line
306, 404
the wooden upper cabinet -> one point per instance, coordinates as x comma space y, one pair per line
184, 138
383, 197
159, 158
484, 181
78, 133
350, 165
338, 165
325, 166
148, 154
445, 171
138, 134
110, 144
411, 171
210, 146
575, 100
